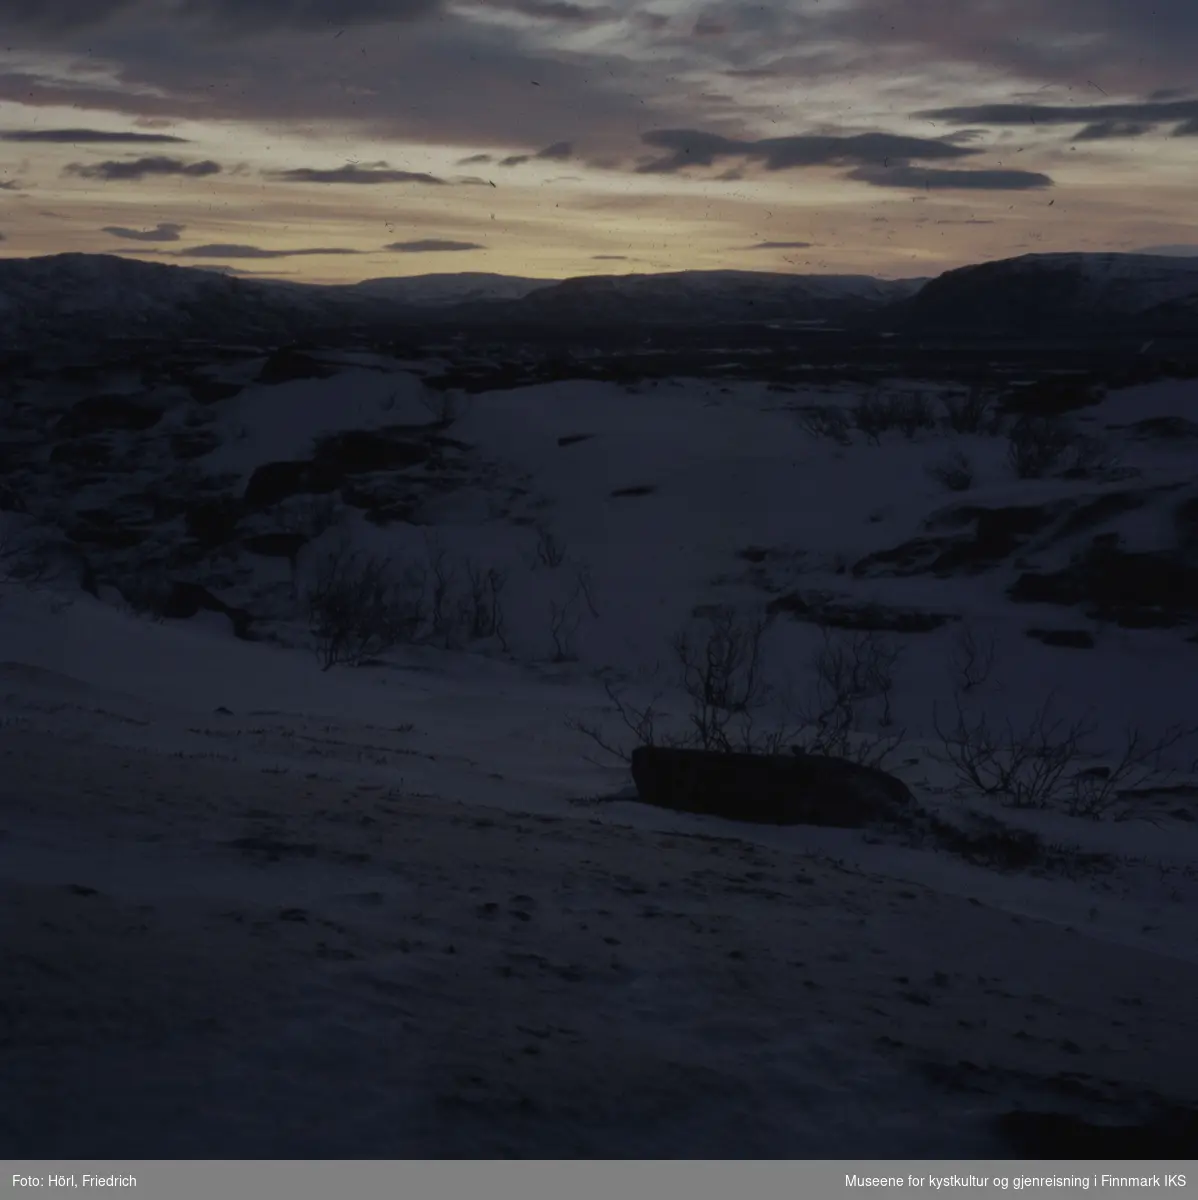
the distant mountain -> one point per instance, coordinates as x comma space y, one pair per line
86, 298
700, 297
1047, 295
75, 300
463, 287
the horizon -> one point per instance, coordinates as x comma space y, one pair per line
332, 143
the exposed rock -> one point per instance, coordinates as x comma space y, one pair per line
275, 482
288, 364
1170, 429
358, 451
1138, 590
87, 452
213, 522
212, 391
997, 533
772, 789
875, 618
1072, 639
182, 601
104, 414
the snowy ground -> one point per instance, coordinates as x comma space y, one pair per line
257, 909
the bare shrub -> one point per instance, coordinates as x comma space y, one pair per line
871, 416
971, 659
1026, 767
550, 548
640, 722
1036, 445
444, 405
954, 472
444, 614
853, 678
1098, 792
908, 413
971, 412
721, 672
484, 602
720, 661
912, 412
359, 606
826, 421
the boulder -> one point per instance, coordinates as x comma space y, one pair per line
771, 789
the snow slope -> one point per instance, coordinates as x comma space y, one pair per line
408, 909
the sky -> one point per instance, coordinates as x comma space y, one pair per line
330, 141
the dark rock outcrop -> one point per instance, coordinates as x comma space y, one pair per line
104, 414
289, 363
1138, 590
771, 789
182, 601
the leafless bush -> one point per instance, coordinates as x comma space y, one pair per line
879, 413
359, 606
443, 613
29, 557
871, 416
1036, 445
485, 614
954, 473
1028, 767
971, 659
721, 660
444, 405
722, 674
640, 722
1088, 457
853, 678
912, 412
826, 421
1098, 792
968, 413
550, 548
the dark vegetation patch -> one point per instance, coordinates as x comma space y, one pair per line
1071, 639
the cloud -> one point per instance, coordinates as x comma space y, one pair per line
162, 232
351, 174
1102, 120
558, 152
81, 136
10, 185
781, 246
59, 17
1110, 45
232, 250
906, 176
432, 246
694, 147
557, 10
140, 168
1100, 131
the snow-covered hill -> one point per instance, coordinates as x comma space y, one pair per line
411, 908
1042, 295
